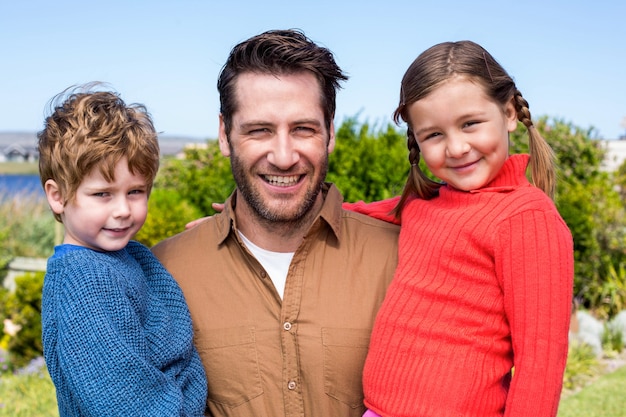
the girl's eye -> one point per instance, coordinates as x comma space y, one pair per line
470, 123
102, 194
431, 136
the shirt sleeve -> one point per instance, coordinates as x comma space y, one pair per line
102, 353
382, 210
535, 263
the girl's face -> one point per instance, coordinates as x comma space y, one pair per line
462, 134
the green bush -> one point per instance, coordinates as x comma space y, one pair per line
368, 164
23, 308
612, 339
203, 177
582, 365
168, 213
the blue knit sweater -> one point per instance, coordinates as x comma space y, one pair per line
117, 336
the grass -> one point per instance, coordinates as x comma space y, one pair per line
19, 168
603, 398
34, 395
27, 396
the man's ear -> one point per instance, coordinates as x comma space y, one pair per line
54, 197
331, 137
223, 138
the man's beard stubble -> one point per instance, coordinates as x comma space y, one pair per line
273, 217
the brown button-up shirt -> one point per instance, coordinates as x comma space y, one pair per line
299, 356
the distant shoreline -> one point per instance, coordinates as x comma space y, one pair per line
19, 168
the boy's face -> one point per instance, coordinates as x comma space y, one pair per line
104, 215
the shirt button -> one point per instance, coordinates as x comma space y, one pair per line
291, 385
287, 326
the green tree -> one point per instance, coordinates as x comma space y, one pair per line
368, 165
201, 178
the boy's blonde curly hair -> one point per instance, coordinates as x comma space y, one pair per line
89, 129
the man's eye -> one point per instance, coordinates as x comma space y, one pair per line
304, 130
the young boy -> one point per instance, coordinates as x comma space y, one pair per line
117, 333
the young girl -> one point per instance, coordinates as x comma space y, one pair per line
475, 322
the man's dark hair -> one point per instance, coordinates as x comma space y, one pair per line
279, 52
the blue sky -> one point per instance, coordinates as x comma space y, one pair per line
568, 58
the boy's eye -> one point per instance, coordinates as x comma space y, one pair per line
102, 194
136, 192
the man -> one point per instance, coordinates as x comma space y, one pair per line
283, 285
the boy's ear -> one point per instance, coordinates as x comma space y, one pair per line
54, 197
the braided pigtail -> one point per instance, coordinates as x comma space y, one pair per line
541, 154
417, 183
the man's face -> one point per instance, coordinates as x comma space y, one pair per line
278, 145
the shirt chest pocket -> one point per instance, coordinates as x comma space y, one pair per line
231, 363
344, 356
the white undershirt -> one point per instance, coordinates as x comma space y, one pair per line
276, 264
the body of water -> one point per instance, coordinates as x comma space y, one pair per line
16, 185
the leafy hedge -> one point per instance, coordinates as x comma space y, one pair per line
23, 308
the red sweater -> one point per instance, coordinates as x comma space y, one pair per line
483, 284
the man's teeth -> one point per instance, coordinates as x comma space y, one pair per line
282, 180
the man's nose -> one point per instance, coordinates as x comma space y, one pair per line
283, 153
